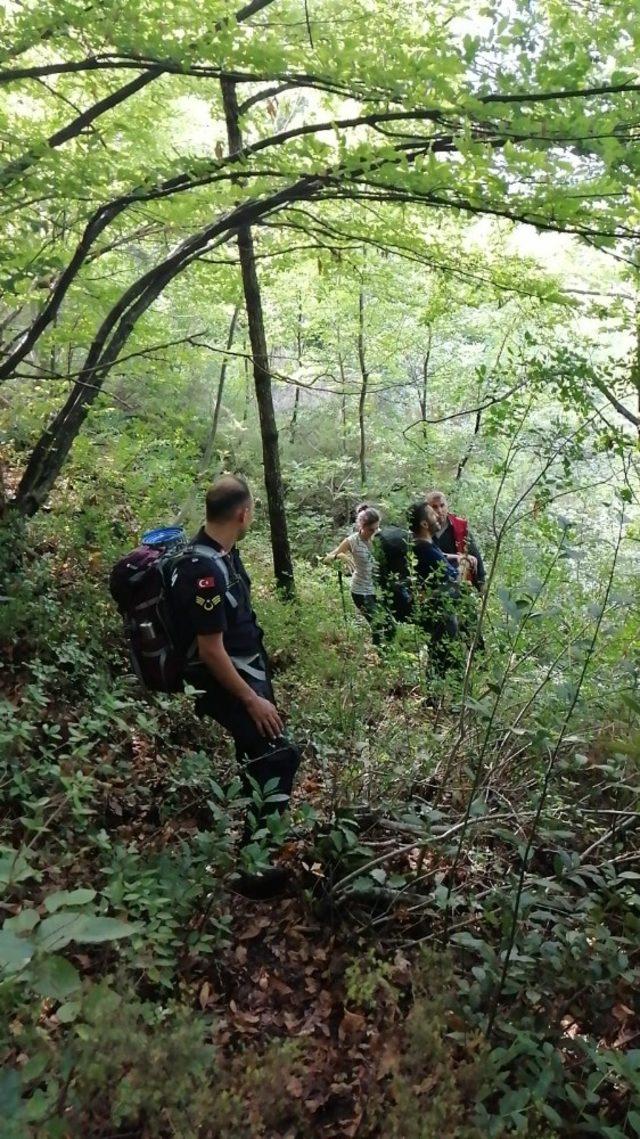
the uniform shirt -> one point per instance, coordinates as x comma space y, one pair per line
198, 597
446, 541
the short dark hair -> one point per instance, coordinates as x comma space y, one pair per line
421, 512
225, 496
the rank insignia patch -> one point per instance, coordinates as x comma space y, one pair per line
208, 603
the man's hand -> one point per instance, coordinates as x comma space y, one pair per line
473, 562
265, 716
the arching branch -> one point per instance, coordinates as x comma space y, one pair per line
20, 165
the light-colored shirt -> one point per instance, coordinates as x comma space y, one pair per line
362, 577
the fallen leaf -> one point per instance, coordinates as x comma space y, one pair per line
351, 1024
255, 928
428, 1084
389, 1061
622, 1012
625, 1037
278, 986
294, 1087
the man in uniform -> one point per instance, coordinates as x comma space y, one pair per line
211, 592
455, 539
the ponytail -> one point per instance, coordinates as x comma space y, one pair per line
366, 515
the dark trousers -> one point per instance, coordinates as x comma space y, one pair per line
377, 616
444, 647
468, 618
260, 759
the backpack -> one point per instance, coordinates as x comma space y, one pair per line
460, 528
393, 546
140, 584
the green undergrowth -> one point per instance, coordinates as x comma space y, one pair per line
421, 830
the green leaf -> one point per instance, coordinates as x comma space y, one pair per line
13, 867
23, 922
10, 1092
37, 1106
68, 1012
35, 1066
15, 951
58, 930
96, 929
78, 897
633, 1120
514, 1101
551, 1114
56, 977
101, 1002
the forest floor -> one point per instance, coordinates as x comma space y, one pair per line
358, 1003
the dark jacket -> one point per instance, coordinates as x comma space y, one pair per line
201, 597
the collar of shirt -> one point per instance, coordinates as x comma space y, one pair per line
203, 539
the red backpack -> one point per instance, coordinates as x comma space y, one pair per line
460, 528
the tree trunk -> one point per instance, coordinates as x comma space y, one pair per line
425, 383
363, 391
3, 494
188, 508
467, 455
478, 421
343, 402
55, 442
282, 561
247, 382
208, 450
296, 402
636, 365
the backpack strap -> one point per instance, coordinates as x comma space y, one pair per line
210, 555
253, 666
218, 558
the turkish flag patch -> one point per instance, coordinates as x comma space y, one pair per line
207, 583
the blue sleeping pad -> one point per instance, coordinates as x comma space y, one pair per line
165, 536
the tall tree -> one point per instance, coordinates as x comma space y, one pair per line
282, 560
532, 120
364, 386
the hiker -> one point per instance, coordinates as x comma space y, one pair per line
356, 552
456, 540
212, 594
436, 581
392, 547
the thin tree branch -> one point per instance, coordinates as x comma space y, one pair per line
615, 402
18, 166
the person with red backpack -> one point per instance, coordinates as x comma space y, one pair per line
456, 541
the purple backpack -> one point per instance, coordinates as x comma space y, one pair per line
140, 584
